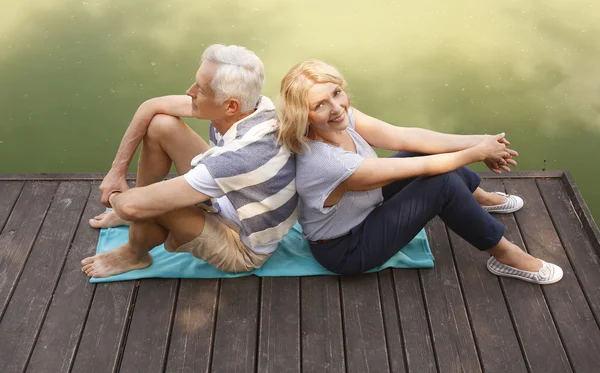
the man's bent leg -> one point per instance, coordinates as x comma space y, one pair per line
216, 242
143, 236
168, 140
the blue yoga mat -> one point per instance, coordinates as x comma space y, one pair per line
292, 258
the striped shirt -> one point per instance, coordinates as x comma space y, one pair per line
255, 174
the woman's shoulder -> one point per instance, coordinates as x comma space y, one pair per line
326, 160
315, 151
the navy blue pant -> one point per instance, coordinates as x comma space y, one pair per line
408, 205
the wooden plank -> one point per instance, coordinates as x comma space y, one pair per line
63, 325
582, 210
539, 339
279, 332
578, 330
27, 308
9, 192
54, 177
63, 177
106, 327
100, 176
366, 349
522, 175
494, 332
193, 326
150, 328
416, 332
236, 330
391, 322
575, 241
452, 336
322, 333
20, 233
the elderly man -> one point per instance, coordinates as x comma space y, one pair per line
248, 176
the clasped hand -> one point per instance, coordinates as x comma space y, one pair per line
112, 183
498, 156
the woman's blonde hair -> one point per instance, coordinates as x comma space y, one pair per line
293, 123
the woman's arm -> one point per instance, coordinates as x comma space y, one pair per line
377, 172
386, 136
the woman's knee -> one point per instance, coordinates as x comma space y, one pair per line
469, 177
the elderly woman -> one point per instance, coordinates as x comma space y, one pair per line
358, 210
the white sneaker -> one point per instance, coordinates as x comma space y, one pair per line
513, 204
548, 274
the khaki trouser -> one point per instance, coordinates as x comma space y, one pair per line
221, 247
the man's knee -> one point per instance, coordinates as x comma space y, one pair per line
162, 125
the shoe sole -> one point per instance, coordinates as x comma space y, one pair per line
525, 278
504, 211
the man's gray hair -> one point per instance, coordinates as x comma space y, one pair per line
240, 74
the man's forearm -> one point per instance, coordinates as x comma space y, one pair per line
430, 142
155, 199
133, 137
175, 105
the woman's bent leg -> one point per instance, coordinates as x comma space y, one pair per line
396, 222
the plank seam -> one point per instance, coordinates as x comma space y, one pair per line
400, 329
123, 339
512, 320
300, 358
387, 346
214, 328
12, 207
341, 300
57, 277
562, 243
258, 324
560, 336
171, 322
509, 308
464, 299
425, 304
12, 291
87, 312
85, 319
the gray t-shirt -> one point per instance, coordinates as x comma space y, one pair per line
318, 172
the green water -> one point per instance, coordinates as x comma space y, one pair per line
73, 72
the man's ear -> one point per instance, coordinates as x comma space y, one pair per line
233, 106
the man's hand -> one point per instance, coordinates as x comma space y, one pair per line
112, 182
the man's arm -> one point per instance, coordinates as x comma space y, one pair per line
155, 199
176, 105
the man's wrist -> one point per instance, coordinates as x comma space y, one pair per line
112, 195
119, 169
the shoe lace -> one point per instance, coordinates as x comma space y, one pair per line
544, 272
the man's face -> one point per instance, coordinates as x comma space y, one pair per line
203, 97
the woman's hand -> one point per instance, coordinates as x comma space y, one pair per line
493, 151
496, 165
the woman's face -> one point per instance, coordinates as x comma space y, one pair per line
328, 107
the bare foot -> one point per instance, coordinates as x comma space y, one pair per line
114, 262
108, 219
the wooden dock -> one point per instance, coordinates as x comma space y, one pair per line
456, 317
